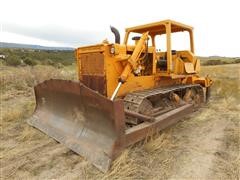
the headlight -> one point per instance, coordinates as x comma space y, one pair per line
112, 50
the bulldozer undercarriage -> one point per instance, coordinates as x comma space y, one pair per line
98, 128
155, 102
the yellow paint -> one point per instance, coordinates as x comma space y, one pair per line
122, 60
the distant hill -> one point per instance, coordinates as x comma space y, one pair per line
31, 46
218, 60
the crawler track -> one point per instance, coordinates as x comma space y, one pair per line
155, 102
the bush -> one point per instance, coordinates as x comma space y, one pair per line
237, 61
45, 57
67, 62
13, 60
48, 62
30, 62
58, 65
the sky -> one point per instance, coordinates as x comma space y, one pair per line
76, 23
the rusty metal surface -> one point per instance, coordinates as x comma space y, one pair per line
147, 101
164, 110
138, 115
92, 63
92, 71
97, 83
83, 120
92, 125
142, 130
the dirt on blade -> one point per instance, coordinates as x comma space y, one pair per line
205, 145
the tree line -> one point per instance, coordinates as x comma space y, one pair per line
16, 57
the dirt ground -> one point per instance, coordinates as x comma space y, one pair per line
204, 145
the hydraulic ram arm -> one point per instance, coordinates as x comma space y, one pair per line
132, 63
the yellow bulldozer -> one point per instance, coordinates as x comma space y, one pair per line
125, 92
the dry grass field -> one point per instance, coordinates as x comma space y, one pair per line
204, 145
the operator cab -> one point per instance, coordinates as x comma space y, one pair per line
161, 47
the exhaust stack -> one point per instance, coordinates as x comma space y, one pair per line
116, 34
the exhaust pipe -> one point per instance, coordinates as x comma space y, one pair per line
116, 34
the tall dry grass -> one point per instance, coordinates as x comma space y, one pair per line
20, 78
226, 104
157, 157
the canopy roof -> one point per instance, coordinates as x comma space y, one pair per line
159, 27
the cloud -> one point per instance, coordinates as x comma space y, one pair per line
59, 34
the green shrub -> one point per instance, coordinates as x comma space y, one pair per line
47, 62
13, 60
67, 62
237, 61
30, 61
45, 57
58, 65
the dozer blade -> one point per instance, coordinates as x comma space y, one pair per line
80, 118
